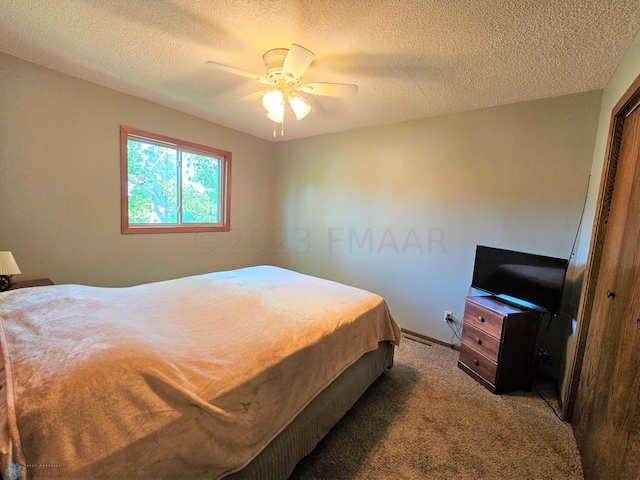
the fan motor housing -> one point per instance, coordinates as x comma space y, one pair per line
273, 61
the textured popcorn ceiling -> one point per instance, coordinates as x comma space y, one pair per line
410, 58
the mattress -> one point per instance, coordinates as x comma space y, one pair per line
187, 378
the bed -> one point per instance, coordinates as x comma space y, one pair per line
232, 374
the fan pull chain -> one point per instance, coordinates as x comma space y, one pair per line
281, 129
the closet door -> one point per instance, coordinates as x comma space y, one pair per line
607, 411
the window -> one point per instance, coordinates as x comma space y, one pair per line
169, 185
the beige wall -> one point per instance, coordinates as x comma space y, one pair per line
627, 71
59, 181
395, 209
399, 209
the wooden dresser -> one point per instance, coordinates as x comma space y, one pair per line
498, 344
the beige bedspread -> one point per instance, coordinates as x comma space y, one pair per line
187, 378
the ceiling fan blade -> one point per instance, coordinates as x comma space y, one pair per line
296, 62
242, 73
252, 96
330, 89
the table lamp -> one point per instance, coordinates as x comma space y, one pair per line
8, 267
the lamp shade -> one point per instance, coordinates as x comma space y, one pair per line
299, 106
277, 117
272, 101
8, 265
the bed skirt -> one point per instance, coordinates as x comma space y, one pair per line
278, 460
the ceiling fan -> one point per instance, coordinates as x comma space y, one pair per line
285, 68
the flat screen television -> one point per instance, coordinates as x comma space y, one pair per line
535, 281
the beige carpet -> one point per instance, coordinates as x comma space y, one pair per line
426, 419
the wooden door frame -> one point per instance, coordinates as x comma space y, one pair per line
623, 108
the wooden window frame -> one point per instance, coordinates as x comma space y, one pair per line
225, 196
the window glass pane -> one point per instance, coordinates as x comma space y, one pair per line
152, 188
200, 188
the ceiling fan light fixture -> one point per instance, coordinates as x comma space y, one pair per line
276, 116
285, 68
299, 106
273, 101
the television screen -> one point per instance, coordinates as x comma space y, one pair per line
532, 279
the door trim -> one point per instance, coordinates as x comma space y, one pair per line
627, 103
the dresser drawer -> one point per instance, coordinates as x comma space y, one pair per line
483, 319
481, 341
479, 364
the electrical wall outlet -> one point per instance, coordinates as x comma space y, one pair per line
448, 317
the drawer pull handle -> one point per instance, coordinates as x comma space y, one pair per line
478, 341
476, 362
481, 319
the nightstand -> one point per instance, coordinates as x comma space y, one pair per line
39, 282
498, 344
